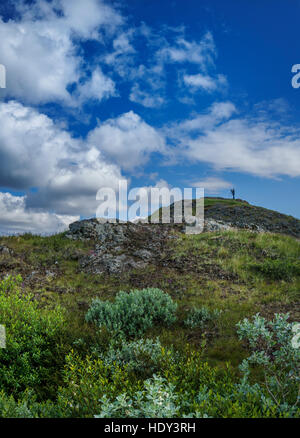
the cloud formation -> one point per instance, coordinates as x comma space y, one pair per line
205, 82
37, 153
127, 140
17, 218
212, 185
227, 141
40, 51
200, 52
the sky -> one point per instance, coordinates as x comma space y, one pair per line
161, 93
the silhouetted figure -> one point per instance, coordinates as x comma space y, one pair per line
233, 193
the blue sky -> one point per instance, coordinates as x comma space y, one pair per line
161, 93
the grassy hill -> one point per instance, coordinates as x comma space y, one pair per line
236, 213
232, 274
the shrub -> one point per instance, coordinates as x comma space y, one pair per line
27, 407
142, 357
199, 317
271, 347
135, 312
33, 355
156, 400
87, 380
204, 390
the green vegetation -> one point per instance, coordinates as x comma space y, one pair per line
200, 317
174, 342
271, 345
133, 313
34, 351
209, 202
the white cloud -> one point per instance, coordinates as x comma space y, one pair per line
84, 18
147, 99
67, 172
201, 53
254, 145
259, 148
121, 58
215, 114
207, 83
16, 218
34, 152
98, 87
212, 185
39, 49
127, 140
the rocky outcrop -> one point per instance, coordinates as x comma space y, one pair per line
120, 246
253, 218
125, 246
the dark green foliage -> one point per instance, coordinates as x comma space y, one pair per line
34, 352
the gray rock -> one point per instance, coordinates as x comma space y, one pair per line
5, 250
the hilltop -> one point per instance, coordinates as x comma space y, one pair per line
225, 214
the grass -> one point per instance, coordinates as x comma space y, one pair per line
240, 273
209, 202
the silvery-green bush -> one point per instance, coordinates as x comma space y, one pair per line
156, 400
133, 313
272, 349
142, 356
199, 317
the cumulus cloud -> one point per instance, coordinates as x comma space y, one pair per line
127, 140
98, 87
36, 153
212, 185
66, 173
39, 49
17, 218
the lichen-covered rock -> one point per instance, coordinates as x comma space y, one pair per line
120, 246
4, 250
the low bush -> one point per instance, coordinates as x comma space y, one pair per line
199, 317
156, 400
27, 407
133, 313
187, 387
86, 381
272, 349
34, 354
142, 357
